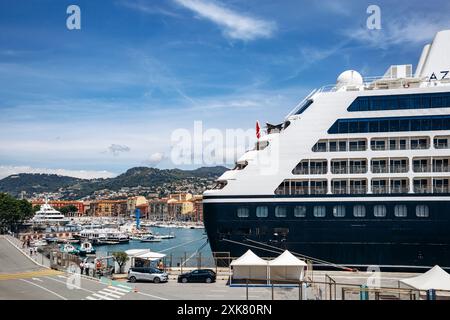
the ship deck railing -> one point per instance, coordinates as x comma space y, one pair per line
384, 83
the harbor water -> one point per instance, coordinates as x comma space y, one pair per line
188, 243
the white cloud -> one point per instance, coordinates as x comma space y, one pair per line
6, 171
407, 30
156, 158
148, 9
234, 25
117, 149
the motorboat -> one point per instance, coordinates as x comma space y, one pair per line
68, 248
86, 248
151, 239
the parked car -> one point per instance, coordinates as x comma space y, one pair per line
200, 275
147, 274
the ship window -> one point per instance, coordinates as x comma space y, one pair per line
378, 145
401, 211
319, 211
422, 211
220, 185
339, 211
243, 212
240, 166
333, 146
359, 211
417, 123
305, 106
320, 147
280, 212
379, 211
300, 211
398, 102
262, 212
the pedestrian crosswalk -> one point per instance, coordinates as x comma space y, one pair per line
109, 293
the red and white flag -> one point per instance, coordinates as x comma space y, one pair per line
258, 130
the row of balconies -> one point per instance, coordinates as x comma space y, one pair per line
361, 169
379, 186
379, 144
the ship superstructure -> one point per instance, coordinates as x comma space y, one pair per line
357, 174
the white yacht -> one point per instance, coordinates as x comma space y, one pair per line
357, 174
47, 215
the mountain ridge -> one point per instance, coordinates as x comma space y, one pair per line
148, 177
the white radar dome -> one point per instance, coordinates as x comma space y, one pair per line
349, 78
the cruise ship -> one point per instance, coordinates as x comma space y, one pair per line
356, 175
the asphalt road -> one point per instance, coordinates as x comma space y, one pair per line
13, 261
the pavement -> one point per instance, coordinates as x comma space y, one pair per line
25, 278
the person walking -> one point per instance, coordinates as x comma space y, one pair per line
81, 267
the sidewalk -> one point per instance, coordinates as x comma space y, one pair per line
38, 257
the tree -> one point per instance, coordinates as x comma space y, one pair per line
36, 208
121, 258
26, 210
13, 211
66, 210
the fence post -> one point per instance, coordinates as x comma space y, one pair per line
181, 265
185, 258
272, 292
300, 291
199, 260
246, 290
343, 294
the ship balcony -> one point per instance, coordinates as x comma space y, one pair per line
399, 169
301, 191
422, 168
441, 189
358, 190
421, 189
358, 169
399, 189
339, 190
339, 170
318, 190
380, 190
441, 145
380, 169
442, 168
301, 170
318, 170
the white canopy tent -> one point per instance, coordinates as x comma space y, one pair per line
249, 266
286, 267
144, 254
435, 278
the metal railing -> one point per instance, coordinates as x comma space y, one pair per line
399, 189
380, 190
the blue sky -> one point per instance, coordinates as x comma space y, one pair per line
97, 101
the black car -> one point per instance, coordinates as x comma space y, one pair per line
200, 275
